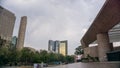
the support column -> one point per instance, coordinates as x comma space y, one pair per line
103, 46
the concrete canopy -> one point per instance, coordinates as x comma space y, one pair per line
107, 18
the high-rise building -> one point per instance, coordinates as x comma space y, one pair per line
51, 46
21, 35
57, 43
7, 21
14, 41
58, 47
63, 48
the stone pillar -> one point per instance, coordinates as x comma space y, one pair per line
21, 35
103, 46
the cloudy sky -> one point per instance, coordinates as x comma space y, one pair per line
54, 20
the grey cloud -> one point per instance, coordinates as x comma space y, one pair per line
54, 19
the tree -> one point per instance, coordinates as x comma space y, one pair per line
4, 55
26, 56
43, 55
78, 50
36, 57
69, 59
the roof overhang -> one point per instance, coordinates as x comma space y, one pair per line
107, 18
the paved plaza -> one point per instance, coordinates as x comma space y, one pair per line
91, 65
81, 65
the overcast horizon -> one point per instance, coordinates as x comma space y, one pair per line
54, 20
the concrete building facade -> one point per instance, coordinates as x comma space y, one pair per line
21, 35
91, 51
107, 18
7, 21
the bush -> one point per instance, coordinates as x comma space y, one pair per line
90, 59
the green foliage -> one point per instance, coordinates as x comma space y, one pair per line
3, 58
69, 59
9, 56
79, 50
90, 59
26, 56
